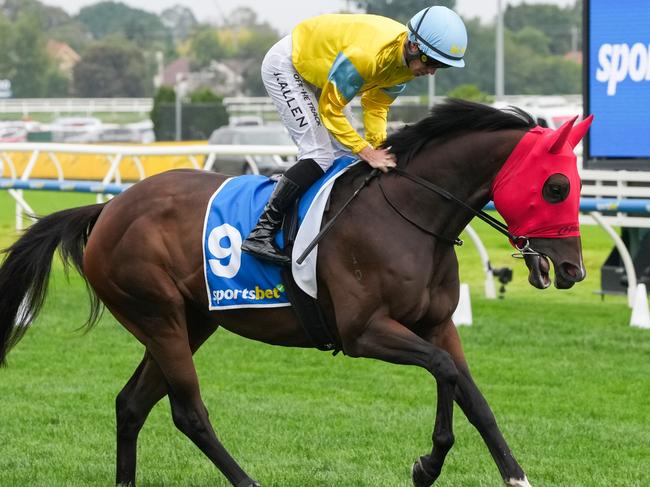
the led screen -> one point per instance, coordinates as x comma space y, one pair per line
618, 79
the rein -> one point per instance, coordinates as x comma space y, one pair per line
521, 243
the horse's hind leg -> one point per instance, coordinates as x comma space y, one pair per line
172, 353
134, 402
478, 412
132, 406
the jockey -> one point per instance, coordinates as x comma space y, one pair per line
314, 72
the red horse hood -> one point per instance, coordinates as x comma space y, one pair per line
517, 188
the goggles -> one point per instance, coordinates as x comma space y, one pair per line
430, 62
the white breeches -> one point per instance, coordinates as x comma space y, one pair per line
297, 103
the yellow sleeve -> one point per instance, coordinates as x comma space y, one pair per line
375, 105
330, 107
345, 78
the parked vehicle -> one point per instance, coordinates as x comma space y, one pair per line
272, 134
80, 130
13, 132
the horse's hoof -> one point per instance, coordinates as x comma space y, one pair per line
248, 483
419, 475
518, 482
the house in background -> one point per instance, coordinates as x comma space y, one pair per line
66, 58
225, 78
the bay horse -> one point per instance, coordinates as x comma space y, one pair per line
387, 274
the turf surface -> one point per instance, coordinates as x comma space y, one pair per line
567, 378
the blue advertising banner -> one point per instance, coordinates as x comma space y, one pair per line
618, 84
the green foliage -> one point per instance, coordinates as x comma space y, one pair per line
529, 66
528, 72
144, 29
253, 84
56, 84
470, 92
110, 69
537, 36
561, 25
180, 21
206, 47
533, 39
27, 57
204, 95
401, 11
24, 59
479, 63
202, 112
73, 33
13, 9
165, 95
6, 59
256, 44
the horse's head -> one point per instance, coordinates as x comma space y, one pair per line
537, 191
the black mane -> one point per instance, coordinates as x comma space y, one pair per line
453, 117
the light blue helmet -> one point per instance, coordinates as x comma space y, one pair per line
440, 33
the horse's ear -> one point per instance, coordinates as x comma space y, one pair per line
561, 135
579, 131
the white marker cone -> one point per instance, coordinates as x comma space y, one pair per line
463, 313
640, 313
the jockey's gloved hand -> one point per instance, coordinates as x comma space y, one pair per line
380, 159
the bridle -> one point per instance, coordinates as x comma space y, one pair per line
521, 243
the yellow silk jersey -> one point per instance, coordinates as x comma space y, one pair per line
347, 55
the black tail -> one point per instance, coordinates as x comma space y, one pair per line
25, 271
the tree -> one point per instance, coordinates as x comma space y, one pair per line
529, 72
180, 21
203, 111
245, 36
253, 84
561, 25
142, 28
6, 59
470, 92
28, 57
163, 97
530, 69
401, 11
12, 9
56, 84
533, 39
242, 17
109, 69
256, 42
73, 33
53, 22
205, 47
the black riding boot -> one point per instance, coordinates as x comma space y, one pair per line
260, 242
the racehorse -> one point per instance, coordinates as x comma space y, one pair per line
387, 270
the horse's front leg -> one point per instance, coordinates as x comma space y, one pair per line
478, 412
388, 340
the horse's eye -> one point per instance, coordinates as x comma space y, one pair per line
556, 188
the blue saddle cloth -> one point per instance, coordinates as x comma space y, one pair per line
235, 279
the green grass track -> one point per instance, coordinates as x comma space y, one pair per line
567, 378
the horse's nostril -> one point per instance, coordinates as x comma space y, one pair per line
572, 271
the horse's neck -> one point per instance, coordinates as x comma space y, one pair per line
465, 167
